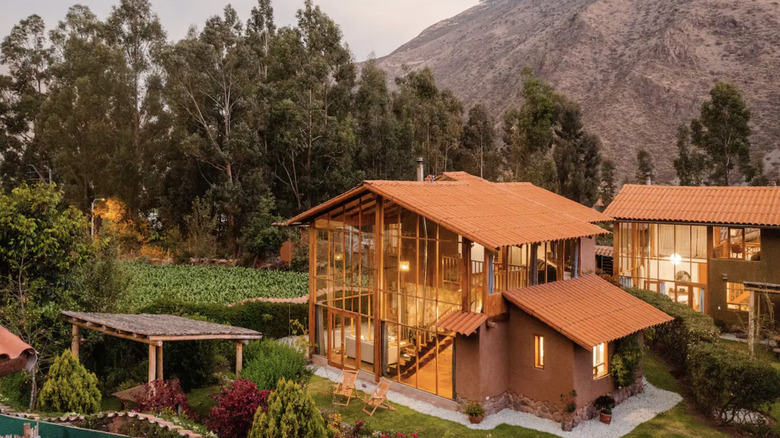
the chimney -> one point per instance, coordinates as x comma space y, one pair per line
420, 174
649, 180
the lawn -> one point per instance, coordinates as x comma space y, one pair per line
206, 284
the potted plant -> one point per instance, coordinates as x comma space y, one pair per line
605, 403
475, 411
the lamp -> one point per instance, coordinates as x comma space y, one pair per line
403, 266
675, 259
338, 256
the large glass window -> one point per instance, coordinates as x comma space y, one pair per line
736, 243
737, 297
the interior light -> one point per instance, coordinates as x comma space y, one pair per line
338, 256
404, 266
675, 259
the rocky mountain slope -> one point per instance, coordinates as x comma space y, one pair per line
638, 67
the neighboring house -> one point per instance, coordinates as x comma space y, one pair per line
698, 245
15, 354
467, 289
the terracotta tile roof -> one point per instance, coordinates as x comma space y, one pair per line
479, 210
588, 310
714, 205
15, 354
464, 323
603, 250
555, 201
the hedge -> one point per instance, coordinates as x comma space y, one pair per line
273, 320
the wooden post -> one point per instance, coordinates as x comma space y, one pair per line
239, 357
312, 285
74, 342
152, 357
616, 236
160, 362
752, 324
379, 269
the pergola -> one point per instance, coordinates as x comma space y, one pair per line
156, 329
753, 287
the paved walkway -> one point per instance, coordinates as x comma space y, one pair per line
625, 417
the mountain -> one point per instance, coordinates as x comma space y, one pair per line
638, 67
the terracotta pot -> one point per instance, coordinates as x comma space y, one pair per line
606, 418
476, 419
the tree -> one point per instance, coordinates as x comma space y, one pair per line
722, 133
577, 156
291, 413
645, 167
608, 188
479, 154
69, 387
689, 163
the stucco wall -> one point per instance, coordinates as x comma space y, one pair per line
588, 248
481, 363
588, 388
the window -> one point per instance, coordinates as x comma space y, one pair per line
600, 360
736, 243
737, 298
539, 352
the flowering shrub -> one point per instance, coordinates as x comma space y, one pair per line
237, 404
164, 395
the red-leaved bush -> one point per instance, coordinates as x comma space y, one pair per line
236, 407
164, 395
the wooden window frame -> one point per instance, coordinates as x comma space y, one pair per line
605, 364
538, 359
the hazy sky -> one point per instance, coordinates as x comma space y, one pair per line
369, 26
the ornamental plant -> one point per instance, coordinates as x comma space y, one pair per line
626, 361
237, 404
291, 413
604, 404
164, 395
474, 409
270, 361
69, 387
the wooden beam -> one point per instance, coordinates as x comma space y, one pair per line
379, 253
159, 362
312, 283
74, 342
152, 367
98, 328
157, 340
239, 358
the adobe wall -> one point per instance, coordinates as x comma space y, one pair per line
481, 366
588, 255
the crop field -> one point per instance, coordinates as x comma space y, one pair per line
207, 284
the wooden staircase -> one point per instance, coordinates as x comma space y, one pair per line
426, 353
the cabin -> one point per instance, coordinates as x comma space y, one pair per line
468, 290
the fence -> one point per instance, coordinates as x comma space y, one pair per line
15, 427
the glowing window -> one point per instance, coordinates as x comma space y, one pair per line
539, 352
737, 298
600, 360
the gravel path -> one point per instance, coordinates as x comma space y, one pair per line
625, 417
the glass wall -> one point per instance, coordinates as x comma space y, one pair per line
665, 258
736, 243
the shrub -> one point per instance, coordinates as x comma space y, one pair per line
270, 361
626, 361
474, 409
69, 387
604, 404
236, 408
163, 395
291, 413
194, 363
729, 384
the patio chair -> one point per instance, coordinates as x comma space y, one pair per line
345, 387
378, 398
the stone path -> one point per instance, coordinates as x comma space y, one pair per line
625, 417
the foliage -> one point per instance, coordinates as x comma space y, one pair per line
102, 282
269, 361
480, 154
201, 229
273, 320
194, 363
212, 284
730, 384
605, 403
473, 409
569, 401
608, 189
118, 225
291, 413
162, 395
236, 407
689, 163
15, 390
69, 387
645, 167
577, 156
626, 361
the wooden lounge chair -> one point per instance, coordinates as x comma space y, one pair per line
345, 387
378, 398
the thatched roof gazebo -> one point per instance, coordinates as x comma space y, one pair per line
156, 329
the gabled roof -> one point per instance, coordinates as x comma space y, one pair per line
464, 323
555, 201
588, 310
758, 206
484, 212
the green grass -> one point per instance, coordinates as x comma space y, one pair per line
676, 422
407, 420
207, 284
200, 400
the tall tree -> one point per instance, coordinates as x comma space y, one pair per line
480, 154
577, 156
608, 184
689, 163
722, 132
645, 167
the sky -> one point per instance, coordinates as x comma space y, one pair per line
369, 26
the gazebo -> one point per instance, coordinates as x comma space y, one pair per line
153, 330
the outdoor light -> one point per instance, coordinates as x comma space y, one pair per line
675, 259
404, 266
338, 256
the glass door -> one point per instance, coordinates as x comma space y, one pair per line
344, 339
